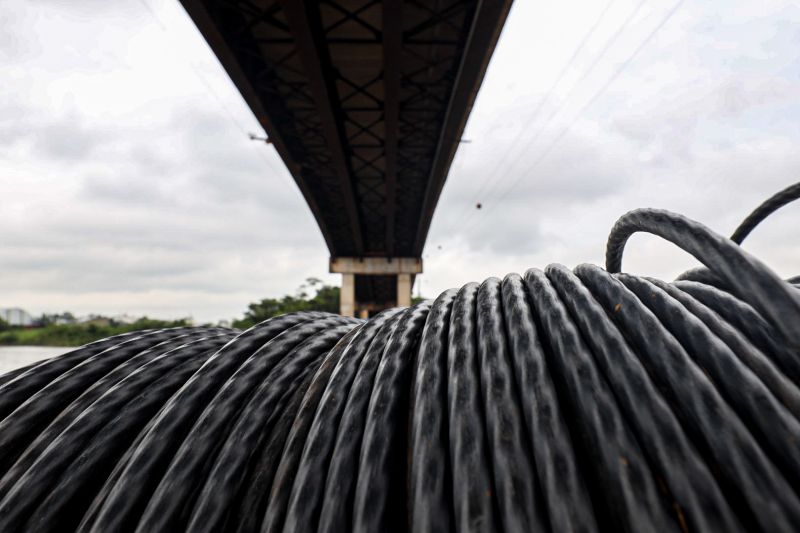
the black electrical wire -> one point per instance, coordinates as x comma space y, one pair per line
562, 400
769, 206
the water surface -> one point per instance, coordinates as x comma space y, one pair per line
12, 357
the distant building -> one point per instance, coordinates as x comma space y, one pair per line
15, 316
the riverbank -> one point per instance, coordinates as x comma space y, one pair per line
77, 334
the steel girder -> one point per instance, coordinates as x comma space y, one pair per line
365, 101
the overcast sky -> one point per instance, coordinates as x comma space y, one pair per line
128, 183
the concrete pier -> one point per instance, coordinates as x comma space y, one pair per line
400, 270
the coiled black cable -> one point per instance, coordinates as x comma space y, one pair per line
560, 400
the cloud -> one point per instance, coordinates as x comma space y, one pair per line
129, 184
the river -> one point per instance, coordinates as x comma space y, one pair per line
12, 357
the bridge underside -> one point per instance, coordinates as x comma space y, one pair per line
365, 101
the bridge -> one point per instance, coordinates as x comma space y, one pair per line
365, 101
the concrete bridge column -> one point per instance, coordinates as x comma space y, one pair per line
347, 295
401, 269
404, 290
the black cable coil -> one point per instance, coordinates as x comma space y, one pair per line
556, 401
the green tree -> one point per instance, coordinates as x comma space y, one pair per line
325, 298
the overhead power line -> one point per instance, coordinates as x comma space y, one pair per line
216, 97
548, 149
492, 179
531, 118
